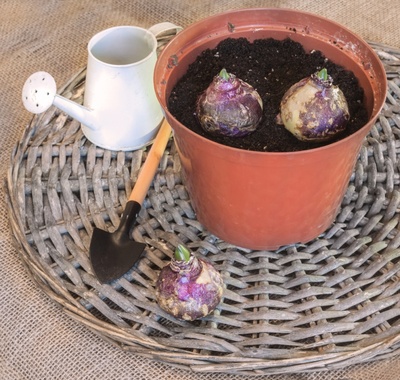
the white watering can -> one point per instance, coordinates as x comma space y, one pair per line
120, 111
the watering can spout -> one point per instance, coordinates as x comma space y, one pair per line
40, 92
76, 111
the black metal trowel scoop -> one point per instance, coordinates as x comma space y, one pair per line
113, 254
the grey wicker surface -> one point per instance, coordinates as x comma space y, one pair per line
324, 305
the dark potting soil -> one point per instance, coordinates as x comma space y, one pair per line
271, 67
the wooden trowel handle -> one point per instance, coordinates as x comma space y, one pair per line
150, 166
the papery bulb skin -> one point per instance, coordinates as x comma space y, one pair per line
189, 288
229, 107
314, 109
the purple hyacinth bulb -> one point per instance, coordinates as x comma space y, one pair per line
313, 109
229, 107
188, 287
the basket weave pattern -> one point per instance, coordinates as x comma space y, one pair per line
327, 304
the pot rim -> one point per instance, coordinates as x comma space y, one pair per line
376, 109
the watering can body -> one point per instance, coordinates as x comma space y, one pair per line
122, 110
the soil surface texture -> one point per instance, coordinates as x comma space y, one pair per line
271, 67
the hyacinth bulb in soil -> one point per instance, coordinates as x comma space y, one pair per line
188, 287
229, 107
314, 109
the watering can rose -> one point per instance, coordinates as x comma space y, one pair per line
314, 109
229, 107
188, 287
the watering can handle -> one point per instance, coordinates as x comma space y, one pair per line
164, 31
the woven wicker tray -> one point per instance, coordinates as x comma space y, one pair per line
323, 305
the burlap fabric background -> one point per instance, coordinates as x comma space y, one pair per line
37, 341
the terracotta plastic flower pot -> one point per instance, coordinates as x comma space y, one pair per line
263, 200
